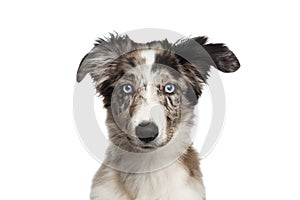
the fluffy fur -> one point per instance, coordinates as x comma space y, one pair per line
168, 166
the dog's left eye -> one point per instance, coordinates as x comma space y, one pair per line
169, 88
127, 88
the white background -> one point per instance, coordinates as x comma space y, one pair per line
42, 43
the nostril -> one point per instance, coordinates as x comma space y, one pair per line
146, 131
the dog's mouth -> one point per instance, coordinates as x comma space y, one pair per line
140, 145
148, 147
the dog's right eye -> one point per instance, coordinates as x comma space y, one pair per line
127, 88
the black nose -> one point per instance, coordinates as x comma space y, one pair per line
146, 131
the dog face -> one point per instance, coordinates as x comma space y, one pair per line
150, 90
147, 102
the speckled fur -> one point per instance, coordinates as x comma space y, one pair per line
118, 60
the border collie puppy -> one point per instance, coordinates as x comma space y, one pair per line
149, 91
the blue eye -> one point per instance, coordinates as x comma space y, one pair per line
127, 88
169, 88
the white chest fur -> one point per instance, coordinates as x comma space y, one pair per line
171, 183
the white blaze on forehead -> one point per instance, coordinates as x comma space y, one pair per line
149, 56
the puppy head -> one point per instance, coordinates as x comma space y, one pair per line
151, 89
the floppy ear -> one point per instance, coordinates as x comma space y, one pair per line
223, 57
101, 58
102, 64
196, 56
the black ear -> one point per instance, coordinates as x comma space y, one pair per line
223, 57
195, 57
99, 61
